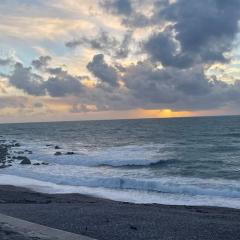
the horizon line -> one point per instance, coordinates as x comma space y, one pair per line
121, 119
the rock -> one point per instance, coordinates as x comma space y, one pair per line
20, 152
48, 145
133, 227
36, 164
25, 161
3, 166
57, 153
70, 153
44, 163
17, 145
57, 147
28, 151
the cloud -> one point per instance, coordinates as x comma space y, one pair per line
12, 102
63, 86
23, 78
38, 105
106, 43
122, 7
161, 47
59, 85
152, 54
104, 72
180, 89
79, 107
5, 61
122, 51
201, 32
197, 31
41, 62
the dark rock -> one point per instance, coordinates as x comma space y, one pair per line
57, 147
20, 152
133, 227
48, 145
17, 145
70, 153
3, 166
25, 161
57, 153
36, 164
28, 151
44, 163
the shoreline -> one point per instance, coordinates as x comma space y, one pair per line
106, 219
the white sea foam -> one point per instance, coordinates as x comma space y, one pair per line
93, 172
122, 195
115, 156
130, 179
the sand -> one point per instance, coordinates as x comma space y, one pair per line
109, 220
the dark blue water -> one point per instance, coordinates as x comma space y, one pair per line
192, 161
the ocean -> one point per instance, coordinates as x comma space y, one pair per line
177, 161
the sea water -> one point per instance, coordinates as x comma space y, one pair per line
187, 161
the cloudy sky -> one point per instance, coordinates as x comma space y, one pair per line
108, 59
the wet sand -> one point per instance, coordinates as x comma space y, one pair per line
109, 220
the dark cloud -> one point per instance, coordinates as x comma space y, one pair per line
23, 78
104, 72
60, 85
146, 86
201, 23
202, 32
122, 51
137, 20
55, 71
161, 47
122, 7
105, 43
178, 89
5, 62
41, 62
63, 86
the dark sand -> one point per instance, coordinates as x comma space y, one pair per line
110, 220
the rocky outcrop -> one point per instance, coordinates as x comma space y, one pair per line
57, 153
25, 161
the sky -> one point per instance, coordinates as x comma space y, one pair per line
66, 60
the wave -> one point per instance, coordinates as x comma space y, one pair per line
236, 135
121, 195
170, 185
124, 156
98, 162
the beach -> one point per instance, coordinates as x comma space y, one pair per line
105, 219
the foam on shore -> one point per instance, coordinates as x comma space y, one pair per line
120, 194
